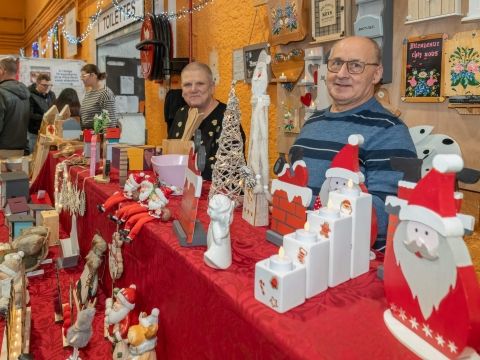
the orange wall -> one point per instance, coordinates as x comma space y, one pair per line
12, 26
222, 25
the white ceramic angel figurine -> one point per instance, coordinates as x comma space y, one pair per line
258, 145
219, 252
79, 334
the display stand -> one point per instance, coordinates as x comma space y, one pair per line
188, 229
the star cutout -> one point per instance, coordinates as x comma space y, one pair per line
440, 340
413, 323
426, 329
393, 307
452, 347
325, 229
401, 314
273, 302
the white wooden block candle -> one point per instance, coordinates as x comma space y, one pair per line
280, 283
351, 201
307, 248
336, 228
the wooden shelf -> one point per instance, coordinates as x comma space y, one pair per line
466, 109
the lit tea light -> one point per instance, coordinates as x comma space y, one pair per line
283, 77
281, 262
305, 234
350, 189
329, 212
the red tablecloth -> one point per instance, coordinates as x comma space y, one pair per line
211, 314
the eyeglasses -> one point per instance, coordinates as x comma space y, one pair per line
46, 85
83, 76
353, 66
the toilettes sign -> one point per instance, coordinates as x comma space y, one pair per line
113, 19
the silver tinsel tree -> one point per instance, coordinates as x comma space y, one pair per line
227, 177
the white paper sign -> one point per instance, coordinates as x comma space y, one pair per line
238, 68
127, 85
71, 28
328, 12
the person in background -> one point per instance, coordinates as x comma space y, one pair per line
71, 126
198, 88
97, 98
41, 99
14, 110
354, 68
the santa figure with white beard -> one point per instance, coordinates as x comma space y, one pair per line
430, 282
344, 171
147, 187
119, 317
131, 186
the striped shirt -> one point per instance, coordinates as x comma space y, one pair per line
325, 133
93, 103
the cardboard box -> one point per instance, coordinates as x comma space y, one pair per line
50, 219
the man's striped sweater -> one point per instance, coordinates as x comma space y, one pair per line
325, 133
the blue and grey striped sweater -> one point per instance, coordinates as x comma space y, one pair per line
325, 133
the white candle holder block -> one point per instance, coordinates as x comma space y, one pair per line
277, 289
336, 228
313, 252
351, 201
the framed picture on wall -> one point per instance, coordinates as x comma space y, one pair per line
423, 61
331, 19
250, 57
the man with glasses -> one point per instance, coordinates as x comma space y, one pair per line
14, 110
354, 69
41, 99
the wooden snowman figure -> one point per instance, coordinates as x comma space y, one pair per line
430, 282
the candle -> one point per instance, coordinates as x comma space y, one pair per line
280, 262
283, 77
350, 190
305, 234
311, 52
329, 212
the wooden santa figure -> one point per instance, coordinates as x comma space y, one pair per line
345, 167
146, 189
430, 283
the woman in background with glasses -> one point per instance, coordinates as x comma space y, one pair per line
97, 98
41, 99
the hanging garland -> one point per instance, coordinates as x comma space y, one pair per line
128, 14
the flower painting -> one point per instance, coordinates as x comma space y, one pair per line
423, 82
464, 68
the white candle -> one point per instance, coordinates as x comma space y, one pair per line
350, 190
329, 212
305, 235
283, 77
280, 262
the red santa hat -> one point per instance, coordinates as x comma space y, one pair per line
127, 296
137, 178
345, 164
432, 202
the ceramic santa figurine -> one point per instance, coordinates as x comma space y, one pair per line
219, 252
119, 316
131, 185
142, 338
345, 167
430, 282
156, 210
147, 187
